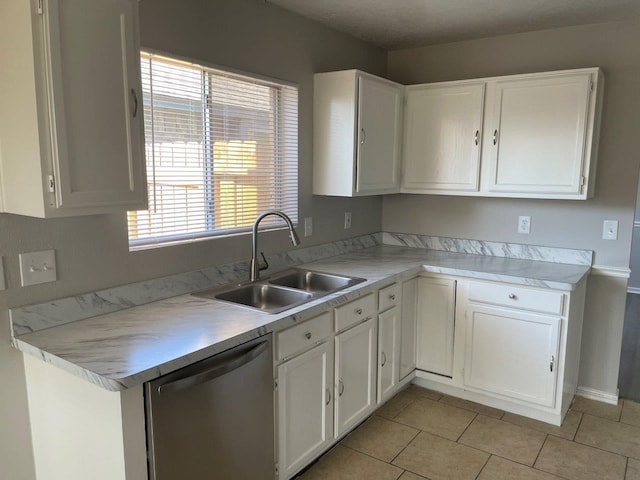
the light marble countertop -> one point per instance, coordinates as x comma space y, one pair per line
125, 348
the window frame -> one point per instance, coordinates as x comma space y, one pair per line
279, 131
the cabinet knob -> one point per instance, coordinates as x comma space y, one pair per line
307, 335
363, 136
553, 359
495, 136
392, 296
384, 359
477, 137
328, 396
358, 311
512, 296
340, 388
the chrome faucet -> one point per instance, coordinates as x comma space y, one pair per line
255, 268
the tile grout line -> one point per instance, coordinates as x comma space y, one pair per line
483, 466
533, 465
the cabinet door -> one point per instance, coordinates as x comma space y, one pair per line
355, 375
436, 321
537, 134
388, 352
443, 129
95, 99
408, 328
379, 130
512, 353
305, 408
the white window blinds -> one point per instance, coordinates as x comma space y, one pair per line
220, 148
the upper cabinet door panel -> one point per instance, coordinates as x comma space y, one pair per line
443, 130
537, 134
96, 102
378, 148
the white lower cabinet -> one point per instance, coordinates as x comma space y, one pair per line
436, 313
388, 352
512, 353
305, 408
355, 375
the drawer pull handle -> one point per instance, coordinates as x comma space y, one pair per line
392, 296
553, 359
358, 311
340, 388
384, 359
307, 335
495, 137
328, 396
476, 138
512, 296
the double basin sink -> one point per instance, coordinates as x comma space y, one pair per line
283, 291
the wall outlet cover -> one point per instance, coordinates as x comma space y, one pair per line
347, 220
3, 285
308, 226
524, 224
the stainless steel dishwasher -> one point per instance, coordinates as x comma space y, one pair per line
214, 419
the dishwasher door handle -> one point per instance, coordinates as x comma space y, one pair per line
214, 372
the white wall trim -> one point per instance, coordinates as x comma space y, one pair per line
635, 290
605, 271
599, 395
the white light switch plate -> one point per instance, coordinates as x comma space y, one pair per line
37, 267
610, 230
2, 284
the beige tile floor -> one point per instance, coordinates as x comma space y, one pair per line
420, 434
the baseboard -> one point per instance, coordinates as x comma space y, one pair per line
635, 290
599, 395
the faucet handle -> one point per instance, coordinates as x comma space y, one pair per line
266, 264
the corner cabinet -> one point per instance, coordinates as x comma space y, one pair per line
357, 120
512, 347
71, 126
520, 136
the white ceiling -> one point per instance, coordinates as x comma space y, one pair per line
396, 24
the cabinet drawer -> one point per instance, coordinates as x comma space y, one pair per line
354, 312
388, 297
298, 338
535, 300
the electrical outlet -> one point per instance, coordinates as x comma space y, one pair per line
37, 267
347, 220
308, 226
524, 224
610, 230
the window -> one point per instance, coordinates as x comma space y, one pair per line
220, 149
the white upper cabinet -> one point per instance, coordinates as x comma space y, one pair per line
442, 135
71, 126
539, 138
356, 134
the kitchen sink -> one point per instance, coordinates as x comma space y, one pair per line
315, 282
261, 296
282, 292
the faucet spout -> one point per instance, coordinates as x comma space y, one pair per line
254, 268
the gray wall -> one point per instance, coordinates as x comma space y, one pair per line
615, 47
576, 224
92, 252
